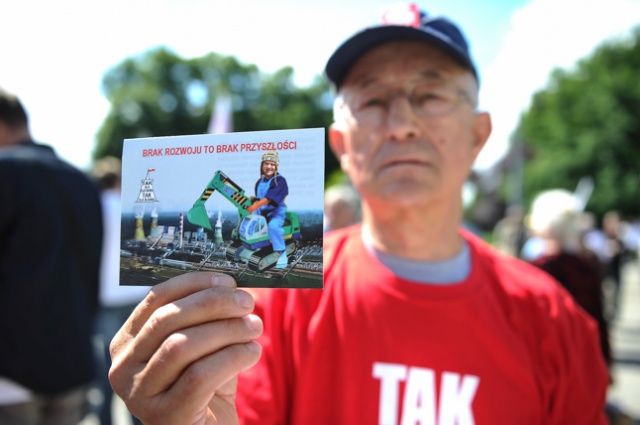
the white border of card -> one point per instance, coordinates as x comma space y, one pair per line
184, 208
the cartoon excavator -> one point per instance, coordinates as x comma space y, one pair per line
250, 240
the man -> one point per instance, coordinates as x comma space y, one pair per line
419, 322
50, 245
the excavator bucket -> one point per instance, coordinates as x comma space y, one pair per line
198, 215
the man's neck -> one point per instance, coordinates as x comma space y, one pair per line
425, 233
12, 137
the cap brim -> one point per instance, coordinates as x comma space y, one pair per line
344, 57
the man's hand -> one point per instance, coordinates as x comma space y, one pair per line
177, 358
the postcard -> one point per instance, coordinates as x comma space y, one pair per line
247, 204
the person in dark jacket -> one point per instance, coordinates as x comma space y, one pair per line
555, 218
50, 247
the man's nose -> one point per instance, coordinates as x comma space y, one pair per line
402, 121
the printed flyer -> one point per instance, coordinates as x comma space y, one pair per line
246, 204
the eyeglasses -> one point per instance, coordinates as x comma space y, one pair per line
429, 99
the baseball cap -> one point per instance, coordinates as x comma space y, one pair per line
401, 21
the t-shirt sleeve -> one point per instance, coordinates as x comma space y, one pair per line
576, 374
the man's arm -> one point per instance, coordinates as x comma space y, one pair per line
176, 359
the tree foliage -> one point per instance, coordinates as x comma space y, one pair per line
161, 94
586, 122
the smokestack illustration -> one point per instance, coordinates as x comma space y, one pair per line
217, 234
139, 232
154, 222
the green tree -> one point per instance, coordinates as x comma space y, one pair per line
159, 93
586, 123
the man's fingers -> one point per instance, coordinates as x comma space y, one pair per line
174, 289
202, 379
164, 293
183, 345
205, 306
195, 387
194, 392
188, 346
193, 299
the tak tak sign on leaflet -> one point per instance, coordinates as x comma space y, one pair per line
246, 204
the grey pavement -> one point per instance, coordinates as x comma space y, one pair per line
625, 344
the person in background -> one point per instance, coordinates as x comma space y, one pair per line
50, 247
509, 232
341, 207
419, 320
116, 302
614, 253
555, 218
592, 237
271, 190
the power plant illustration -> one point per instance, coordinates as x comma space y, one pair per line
184, 207
173, 244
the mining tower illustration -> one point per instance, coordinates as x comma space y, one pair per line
147, 195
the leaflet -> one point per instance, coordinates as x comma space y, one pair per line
248, 204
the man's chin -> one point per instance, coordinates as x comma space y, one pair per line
404, 192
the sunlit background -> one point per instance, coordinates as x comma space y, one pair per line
54, 54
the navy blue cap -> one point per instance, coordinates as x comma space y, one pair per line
401, 22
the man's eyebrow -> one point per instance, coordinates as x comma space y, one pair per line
367, 81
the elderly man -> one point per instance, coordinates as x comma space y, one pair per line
419, 322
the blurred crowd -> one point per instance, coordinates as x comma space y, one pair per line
556, 224
584, 254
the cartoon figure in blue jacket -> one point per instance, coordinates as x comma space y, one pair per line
271, 190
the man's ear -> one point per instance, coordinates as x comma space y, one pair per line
337, 144
481, 132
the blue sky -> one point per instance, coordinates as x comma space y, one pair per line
54, 54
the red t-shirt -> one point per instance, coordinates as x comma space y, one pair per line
505, 346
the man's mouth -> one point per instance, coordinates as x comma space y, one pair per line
404, 162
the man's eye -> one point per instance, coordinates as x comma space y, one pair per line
374, 101
429, 96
